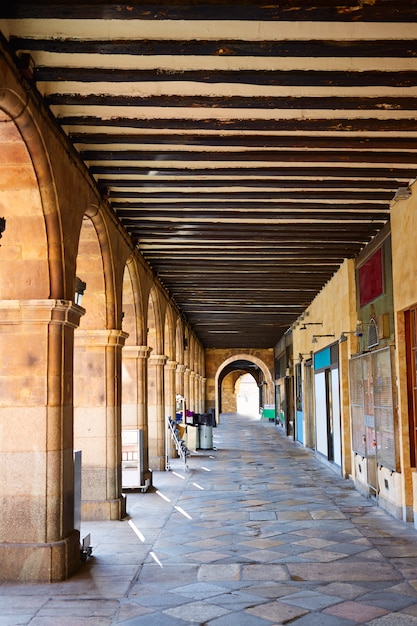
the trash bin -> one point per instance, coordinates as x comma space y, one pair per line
206, 431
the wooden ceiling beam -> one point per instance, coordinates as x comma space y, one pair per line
212, 10
222, 48
332, 103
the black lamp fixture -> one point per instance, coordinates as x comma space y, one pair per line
305, 324
343, 336
314, 339
358, 332
2, 225
301, 356
80, 287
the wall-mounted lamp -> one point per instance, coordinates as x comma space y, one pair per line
402, 193
358, 332
304, 326
2, 225
80, 287
343, 337
301, 356
185, 343
314, 339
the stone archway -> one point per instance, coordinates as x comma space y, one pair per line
36, 342
266, 374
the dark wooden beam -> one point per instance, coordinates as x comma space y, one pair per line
345, 156
300, 171
332, 103
310, 141
156, 183
298, 125
326, 10
271, 78
223, 48
377, 197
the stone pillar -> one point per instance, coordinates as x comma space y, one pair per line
38, 542
192, 391
156, 412
187, 394
97, 420
134, 398
170, 403
180, 380
203, 407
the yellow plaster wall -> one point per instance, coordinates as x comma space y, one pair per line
404, 255
404, 273
335, 306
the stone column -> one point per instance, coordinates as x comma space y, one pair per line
180, 380
134, 398
203, 407
192, 392
197, 396
97, 419
187, 394
170, 403
156, 412
38, 542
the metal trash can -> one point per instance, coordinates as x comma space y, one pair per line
206, 431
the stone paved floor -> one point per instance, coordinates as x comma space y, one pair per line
257, 532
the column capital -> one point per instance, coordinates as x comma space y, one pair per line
157, 359
136, 352
181, 368
171, 365
105, 337
63, 312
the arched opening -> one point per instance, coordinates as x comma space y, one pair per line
97, 359
247, 395
135, 463
231, 371
170, 365
156, 399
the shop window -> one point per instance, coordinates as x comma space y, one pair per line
372, 407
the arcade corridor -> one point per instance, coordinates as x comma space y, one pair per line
256, 533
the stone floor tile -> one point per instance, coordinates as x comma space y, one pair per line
347, 591
321, 619
260, 572
311, 600
153, 619
394, 619
388, 600
240, 618
277, 612
199, 591
237, 600
219, 572
197, 612
355, 611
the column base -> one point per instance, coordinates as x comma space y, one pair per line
157, 463
40, 562
103, 510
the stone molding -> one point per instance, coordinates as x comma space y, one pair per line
157, 359
105, 337
136, 352
63, 312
